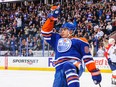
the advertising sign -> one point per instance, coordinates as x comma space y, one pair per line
42, 63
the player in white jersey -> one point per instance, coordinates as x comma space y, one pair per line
112, 51
111, 56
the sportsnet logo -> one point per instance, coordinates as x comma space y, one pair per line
27, 61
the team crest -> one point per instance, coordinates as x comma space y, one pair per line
64, 44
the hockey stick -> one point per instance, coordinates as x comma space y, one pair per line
99, 85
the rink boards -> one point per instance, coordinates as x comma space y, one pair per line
42, 63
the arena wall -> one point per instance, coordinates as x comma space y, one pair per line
42, 63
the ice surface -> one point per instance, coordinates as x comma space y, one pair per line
12, 78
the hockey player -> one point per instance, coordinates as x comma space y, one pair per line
71, 54
111, 57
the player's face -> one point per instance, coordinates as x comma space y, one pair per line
65, 33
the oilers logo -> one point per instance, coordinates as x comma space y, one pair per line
64, 44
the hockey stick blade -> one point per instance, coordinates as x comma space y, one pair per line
99, 85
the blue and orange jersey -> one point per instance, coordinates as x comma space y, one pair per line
67, 49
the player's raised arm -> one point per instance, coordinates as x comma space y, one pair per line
49, 24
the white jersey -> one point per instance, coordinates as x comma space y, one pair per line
112, 53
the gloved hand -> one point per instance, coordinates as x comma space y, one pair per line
55, 11
109, 61
96, 76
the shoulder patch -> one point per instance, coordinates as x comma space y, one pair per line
84, 39
86, 49
81, 39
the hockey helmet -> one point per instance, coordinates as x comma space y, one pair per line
111, 40
69, 26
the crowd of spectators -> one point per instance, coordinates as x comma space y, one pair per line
20, 25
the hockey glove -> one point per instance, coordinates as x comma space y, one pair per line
55, 11
96, 76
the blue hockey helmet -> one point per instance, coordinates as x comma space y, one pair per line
69, 26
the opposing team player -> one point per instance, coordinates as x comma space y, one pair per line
111, 57
71, 54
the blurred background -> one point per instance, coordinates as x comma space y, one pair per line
21, 22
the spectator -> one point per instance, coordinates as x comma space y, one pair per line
113, 7
100, 52
109, 28
18, 24
12, 45
25, 21
30, 52
100, 33
24, 52
16, 53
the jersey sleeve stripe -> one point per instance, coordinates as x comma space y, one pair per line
46, 35
47, 38
43, 32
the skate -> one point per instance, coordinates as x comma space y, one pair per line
113, 82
